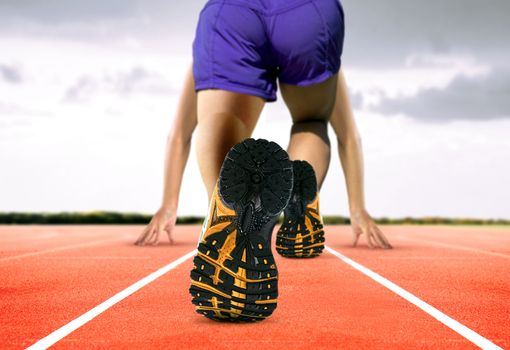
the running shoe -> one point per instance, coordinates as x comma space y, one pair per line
301, 234
234, 277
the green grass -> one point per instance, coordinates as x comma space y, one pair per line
106, 217
85, 218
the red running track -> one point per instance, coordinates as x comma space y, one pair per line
51, 275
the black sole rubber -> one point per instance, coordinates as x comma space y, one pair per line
235, 276
301, 234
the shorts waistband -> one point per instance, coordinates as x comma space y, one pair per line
263, 6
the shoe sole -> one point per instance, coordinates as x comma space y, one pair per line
301, 234
235, 276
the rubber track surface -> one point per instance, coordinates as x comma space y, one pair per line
323, 303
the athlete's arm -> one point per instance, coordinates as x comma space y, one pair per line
351, 157
177, 152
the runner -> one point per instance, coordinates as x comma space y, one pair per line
242, 50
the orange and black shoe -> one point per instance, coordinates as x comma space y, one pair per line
234, 277
301, 234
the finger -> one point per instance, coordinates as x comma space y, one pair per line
377, 238
387, 244
155, 237
355, 238
168, 230
380, 237
142, 236
148, 237
170, 238
369, 239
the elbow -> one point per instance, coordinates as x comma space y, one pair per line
178, 139
349, 139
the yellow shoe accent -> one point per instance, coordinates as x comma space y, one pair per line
301, 234
234, 276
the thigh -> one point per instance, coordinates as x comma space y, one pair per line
220, 106
310, 103
224, 119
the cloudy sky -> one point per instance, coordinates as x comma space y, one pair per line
88, 91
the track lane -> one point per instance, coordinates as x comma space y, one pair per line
349, 311
26, 241
440, 316
471, 287
323, 304
88, 316
40, 294
487, 239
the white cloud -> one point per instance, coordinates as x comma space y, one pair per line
137, 80
384, 33
10, 74
480, 97
106, 79
420, 72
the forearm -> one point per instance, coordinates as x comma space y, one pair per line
179, 144
351, 158
175, 163
349, 147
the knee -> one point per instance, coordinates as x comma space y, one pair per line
314, 114
312, 124
318, 127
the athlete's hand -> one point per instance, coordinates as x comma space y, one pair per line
362, 223
163, 220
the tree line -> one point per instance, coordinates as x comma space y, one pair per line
117, 218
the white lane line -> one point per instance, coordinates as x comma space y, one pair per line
456, 326
32, 238
429, 258
67, 329
58, 249
491, 238
74, 258
454, 246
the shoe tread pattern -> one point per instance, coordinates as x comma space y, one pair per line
301, 234
235, 276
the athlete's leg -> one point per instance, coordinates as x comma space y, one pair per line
224, 119
310, 108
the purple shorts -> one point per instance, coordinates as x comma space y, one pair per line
246, 46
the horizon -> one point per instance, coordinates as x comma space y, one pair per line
114, 217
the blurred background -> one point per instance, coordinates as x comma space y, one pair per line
88, 91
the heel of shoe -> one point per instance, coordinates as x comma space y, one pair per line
235, 276
301, 234
257, 173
